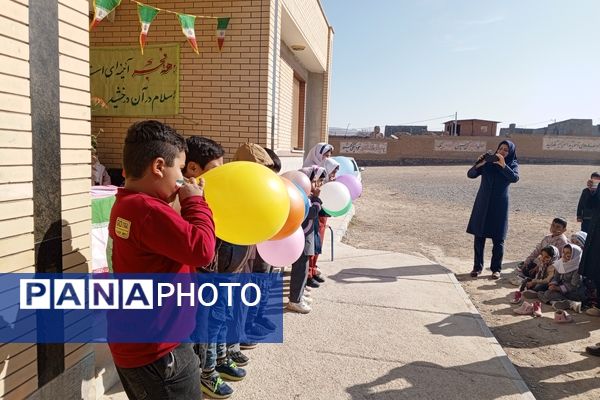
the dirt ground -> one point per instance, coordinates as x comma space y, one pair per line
425, 210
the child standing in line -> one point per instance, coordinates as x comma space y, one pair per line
300, 267
584, 212
314, 274
148, 236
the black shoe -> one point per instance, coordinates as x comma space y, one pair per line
256, 331
265, 323
230, 371
248, 346
593, 350
475, 273
318, 278
239, 358
312, 283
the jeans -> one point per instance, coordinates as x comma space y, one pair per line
174, 376
298, 278
497, 254
209, 353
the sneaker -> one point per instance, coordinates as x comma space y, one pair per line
520, 266
525, 309
562, 317
306, 293
300, 307
593, 350
307, 289
239, 358
496, 275
561, 305
248, 346
475, 273
530, 294
537, 309
307, 300
214, 387
230, 371
318, 278
310, 282
256, 331
517, 297
594, 311
576, 306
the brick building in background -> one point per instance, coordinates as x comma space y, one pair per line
471, 127
268, 85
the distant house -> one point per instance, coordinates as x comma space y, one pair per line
569, 127
471, 127
400, 129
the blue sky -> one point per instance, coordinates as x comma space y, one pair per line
401, 61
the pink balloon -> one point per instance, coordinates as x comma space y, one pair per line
284, 252
353, 185
299, 179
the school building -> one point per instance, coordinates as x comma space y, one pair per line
61, 83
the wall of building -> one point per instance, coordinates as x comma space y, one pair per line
223, 95
19, 237
444, 150
473, 128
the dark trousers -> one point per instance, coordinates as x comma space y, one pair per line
298, 278
585, 225
497, 254
174, 376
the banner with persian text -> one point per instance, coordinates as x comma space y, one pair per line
131, 84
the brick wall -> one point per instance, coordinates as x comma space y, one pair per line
223, 95
421, 150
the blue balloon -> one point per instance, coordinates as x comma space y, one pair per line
306, 202
346, 166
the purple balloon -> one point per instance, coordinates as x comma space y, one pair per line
353, 185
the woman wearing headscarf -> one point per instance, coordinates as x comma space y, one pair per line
318, 154
489, 218
590, 261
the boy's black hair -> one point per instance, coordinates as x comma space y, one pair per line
595, 175
147, 140
202, 150
560, 221
549, 250
276, 161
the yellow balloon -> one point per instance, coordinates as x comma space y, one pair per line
249, 202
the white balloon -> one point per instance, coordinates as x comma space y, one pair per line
335, 196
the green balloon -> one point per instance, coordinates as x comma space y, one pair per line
340, 212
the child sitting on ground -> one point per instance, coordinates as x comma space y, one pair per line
564, 291
579, 238
557, 238
545, 273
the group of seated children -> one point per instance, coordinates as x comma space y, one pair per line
156, 160
550, 275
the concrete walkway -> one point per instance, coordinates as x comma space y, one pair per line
383, 326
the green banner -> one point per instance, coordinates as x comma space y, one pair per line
136, 85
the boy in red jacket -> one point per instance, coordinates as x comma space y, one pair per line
148, 236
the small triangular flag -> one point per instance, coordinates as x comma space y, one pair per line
222, 24
146, 15
101, 9
187, 27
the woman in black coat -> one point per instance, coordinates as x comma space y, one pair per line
489, 218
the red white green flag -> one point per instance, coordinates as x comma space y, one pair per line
146, 15
101, 9
187, 26
222, 24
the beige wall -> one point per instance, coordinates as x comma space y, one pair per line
444, 149
18, 366
286, 106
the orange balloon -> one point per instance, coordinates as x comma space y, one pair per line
296, 215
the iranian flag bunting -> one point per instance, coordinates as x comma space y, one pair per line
101, 9
146, 15
222, 24
187, 26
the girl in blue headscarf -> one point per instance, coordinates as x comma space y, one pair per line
489, 218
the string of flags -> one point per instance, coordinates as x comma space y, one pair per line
146, 15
